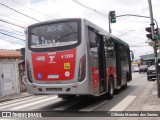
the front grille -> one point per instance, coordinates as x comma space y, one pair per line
53, 89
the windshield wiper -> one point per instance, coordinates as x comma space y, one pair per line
59, 39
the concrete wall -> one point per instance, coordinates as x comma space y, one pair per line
9, 83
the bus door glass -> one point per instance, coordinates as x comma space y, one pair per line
118, 63
102, 63
98, 60
110, 59
122, 63
94, 60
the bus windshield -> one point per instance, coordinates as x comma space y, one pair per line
54, 35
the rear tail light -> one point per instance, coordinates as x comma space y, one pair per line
82, 69
29, 74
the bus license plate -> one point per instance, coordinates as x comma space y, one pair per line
53, 89
53, 76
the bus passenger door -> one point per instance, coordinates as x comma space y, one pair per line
102, 63
118, 64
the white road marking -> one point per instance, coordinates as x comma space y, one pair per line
93, 106
22, 102
123, 104
39, 101
37, 107
16, 100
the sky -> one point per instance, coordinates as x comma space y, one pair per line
130, 29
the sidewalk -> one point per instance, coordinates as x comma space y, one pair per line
152, 103
148, 100
14, 96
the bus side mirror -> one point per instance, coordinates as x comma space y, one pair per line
25, 32
132, 56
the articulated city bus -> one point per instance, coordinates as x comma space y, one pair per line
70, 57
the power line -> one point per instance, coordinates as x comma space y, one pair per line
104, 15
33, 9
11, 29
12, 41
11, 36
11, 23
18, 12
129, 35
144, 22
13, 18
135, 37
11, 32
94, 10
138, 16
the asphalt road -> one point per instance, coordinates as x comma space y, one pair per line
85, 105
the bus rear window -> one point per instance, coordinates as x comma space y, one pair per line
54, 35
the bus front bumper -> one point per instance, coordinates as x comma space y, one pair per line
36, 88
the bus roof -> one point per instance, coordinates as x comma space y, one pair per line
55, 20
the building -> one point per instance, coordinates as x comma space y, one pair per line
9, 73
149, 59
22, 73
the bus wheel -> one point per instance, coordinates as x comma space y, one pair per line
110, 93
66, 96
124, 86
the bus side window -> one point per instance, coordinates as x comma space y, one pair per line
92, 37
109, 49
123, 54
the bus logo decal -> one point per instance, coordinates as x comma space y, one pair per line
39, 75
40, 58
67, 74
66, 65
51, 59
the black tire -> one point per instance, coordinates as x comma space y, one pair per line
110, 92
148, 78
124, 86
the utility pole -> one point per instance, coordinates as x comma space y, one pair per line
155, 47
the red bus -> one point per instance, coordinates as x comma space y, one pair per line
70, 57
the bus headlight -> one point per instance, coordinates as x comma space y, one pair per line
82, 69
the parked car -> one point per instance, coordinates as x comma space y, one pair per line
143, 68
135, 69
151, 73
